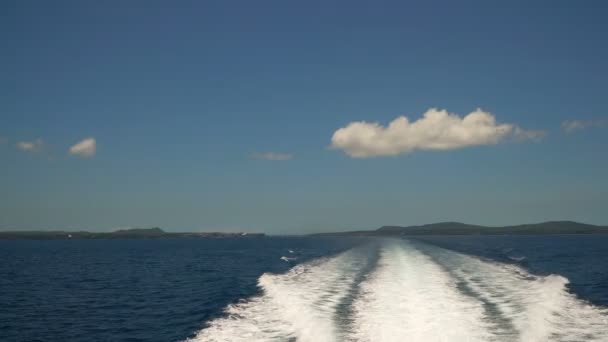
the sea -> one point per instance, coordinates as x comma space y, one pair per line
428, 288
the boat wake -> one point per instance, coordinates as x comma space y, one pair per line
396, 290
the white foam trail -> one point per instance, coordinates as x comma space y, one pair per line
300, 304
410, 298
416, 292
527, 307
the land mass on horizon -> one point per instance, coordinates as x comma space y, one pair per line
442, 228
458, 228
134, 233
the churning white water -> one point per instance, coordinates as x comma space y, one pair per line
409, 291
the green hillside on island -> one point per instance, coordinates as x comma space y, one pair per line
458, 228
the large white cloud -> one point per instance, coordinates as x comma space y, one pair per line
85, 148
436, 130
31, 146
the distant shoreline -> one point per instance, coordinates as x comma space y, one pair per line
136, 233
443, 228
458, 228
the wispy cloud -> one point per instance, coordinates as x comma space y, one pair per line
436, 130
33, 146
272, 156
85, 148
572, 126
522, 135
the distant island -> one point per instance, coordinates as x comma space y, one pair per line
457, 228
135, 233
442, 228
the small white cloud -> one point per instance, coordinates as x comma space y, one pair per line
571, 126
436, 130
34, 146
85, 148
272, 156
521, 135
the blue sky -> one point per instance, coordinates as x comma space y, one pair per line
220, 115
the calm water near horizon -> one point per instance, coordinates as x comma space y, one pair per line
452, 288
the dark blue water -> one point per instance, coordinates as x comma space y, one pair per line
166, 290
134, 290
